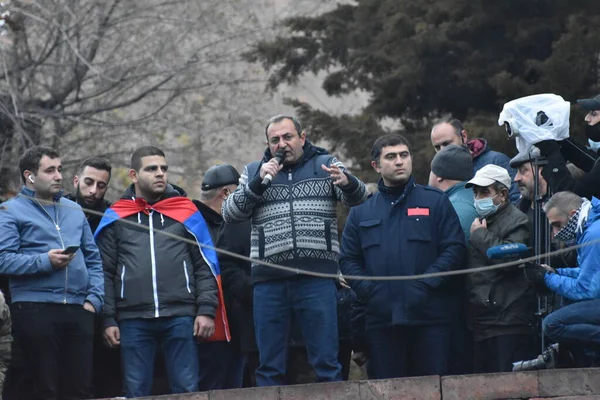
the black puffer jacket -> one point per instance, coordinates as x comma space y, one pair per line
149, 275
501, 301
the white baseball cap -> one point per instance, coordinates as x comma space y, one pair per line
489, 174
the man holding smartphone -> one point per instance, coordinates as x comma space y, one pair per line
56, 280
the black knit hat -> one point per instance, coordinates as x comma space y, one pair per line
453, 162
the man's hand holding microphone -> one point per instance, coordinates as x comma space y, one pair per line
269, 169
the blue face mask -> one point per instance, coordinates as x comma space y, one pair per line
594, 145
485, 207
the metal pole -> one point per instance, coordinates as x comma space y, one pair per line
541, 240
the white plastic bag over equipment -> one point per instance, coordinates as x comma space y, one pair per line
528, 126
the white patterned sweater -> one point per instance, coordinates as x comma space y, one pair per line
294, 221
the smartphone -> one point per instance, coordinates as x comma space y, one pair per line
71, 249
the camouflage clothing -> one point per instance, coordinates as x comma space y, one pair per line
5, 340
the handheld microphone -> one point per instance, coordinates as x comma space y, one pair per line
279, 156
506, 251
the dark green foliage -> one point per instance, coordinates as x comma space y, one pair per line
422, 59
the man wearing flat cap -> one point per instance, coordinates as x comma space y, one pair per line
218, 183
221, 363
558, 175
501, 301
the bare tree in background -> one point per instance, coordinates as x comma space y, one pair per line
84, 70
103, 77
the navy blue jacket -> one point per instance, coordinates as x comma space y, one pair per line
415, 233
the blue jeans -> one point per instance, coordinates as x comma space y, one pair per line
140, 339
313, 303
221, 366
577, 323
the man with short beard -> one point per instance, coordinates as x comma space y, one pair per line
91, 183
525, 179
161, 289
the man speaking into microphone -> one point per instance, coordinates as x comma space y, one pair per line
291, 197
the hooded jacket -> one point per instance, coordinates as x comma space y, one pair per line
583, 282
150, 275
29, 231
294, 220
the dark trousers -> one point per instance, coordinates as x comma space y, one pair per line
140, 339
313, 301
106, 378
498, 354
402, 351
221, 366
56, 341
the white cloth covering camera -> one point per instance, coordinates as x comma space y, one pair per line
527, 124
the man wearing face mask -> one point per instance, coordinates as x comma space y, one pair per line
575, 221
557, 174
501, 301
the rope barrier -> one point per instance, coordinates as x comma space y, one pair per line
463, 271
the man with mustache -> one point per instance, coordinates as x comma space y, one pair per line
91, 183
294, 223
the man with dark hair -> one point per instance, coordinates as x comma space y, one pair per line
501, 301
56, 284
221, 363
447, 131
91, 183
294, 223
404, 229
159, 288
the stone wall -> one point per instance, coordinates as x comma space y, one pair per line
572, 384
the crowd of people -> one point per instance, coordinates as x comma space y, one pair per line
157, 293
